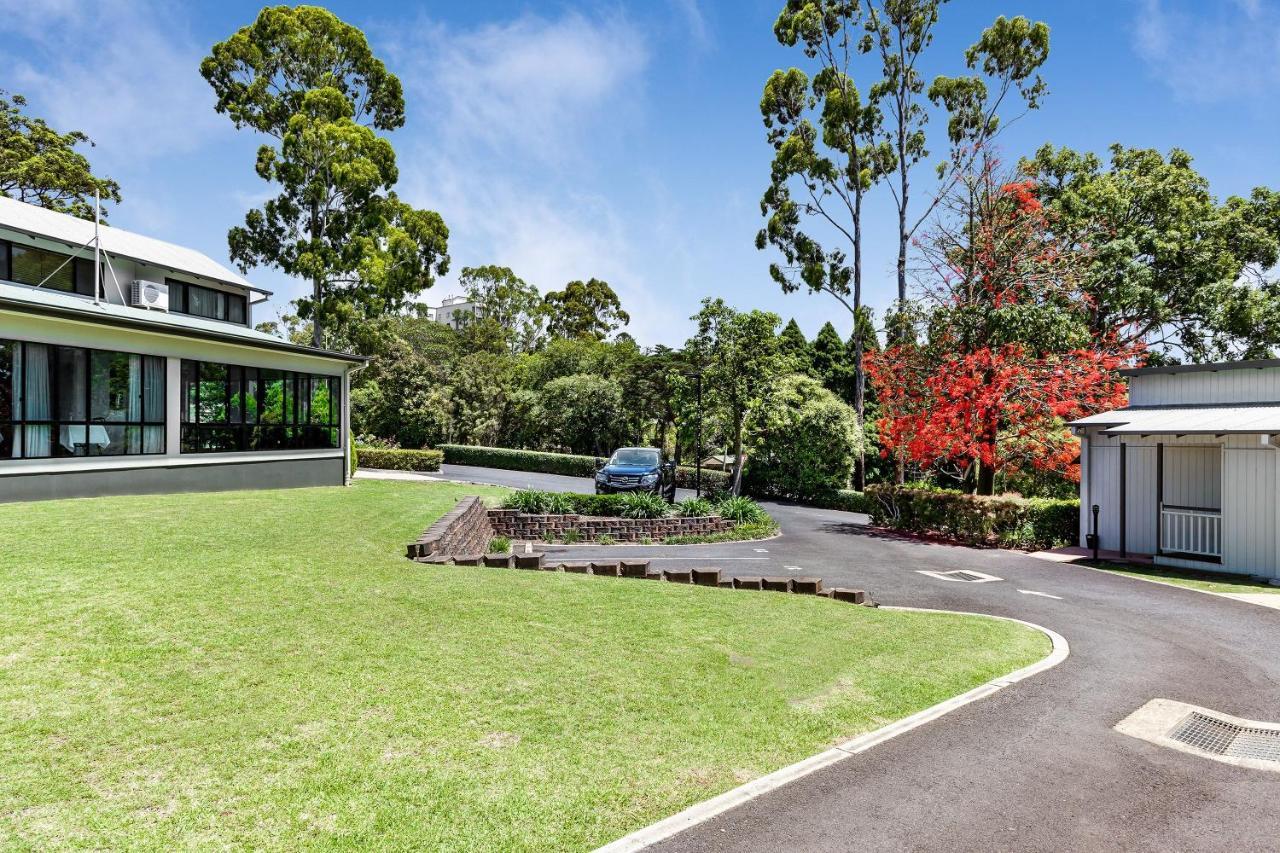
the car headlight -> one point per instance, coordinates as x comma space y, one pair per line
649, 479
601, 476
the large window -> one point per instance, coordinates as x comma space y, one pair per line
227, 407
56, 271
206, 302
70, 401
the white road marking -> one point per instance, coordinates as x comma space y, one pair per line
761, 550
978, 577
794, 568
1041, 594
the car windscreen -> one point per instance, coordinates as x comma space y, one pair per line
646, 458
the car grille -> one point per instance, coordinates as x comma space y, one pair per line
624, 479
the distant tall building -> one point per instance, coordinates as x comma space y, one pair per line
455, 311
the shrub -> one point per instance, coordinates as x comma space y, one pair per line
712, 481
377, 442
500, 545
355, 457
559, 503
974, 520
804, 442
742, 510
519, 460
643, 505
571, 536
530, 501
607, 506
694, 507
401, 460
846, 500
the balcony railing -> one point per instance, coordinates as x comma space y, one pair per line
1192, 530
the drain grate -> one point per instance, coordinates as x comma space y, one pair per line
1219, 737
967, 576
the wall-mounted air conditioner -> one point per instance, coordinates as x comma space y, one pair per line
149, 294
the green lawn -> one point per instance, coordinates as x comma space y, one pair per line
265, 669
1208, 581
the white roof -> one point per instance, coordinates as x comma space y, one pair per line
39, 222
1186, 420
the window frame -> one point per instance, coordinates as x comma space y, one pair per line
182, 303
81, 269
247, 428
18, 421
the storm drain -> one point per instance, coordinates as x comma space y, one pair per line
1220, 737
961, 575
1206, 733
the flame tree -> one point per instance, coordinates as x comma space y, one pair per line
1003, 354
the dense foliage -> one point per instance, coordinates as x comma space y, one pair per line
805, 441
400, 460
1012, 522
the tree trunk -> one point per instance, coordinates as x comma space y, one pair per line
859, 375
737, 457
317, 284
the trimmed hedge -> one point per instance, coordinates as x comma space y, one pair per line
1011, 522
566, 464
846, 500
400, 460
519, 460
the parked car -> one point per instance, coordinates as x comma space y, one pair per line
637, 469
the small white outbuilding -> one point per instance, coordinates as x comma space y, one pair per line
1189, 472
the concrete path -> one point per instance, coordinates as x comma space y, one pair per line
1038, 766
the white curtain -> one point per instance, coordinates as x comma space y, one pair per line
15, 398
35, 384
153, 393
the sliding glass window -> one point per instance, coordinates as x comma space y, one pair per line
71, 401
229, 408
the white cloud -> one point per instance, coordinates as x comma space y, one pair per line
125, 73
506, 120
1209, 52
695, 21
531, 85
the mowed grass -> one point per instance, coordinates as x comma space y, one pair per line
266, 670
1207, 581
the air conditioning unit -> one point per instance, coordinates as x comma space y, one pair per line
149, 294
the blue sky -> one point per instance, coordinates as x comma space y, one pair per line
620, 140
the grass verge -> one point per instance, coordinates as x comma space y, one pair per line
1207, 581
234, 670
741, 533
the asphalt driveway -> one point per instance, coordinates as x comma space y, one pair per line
1036, 766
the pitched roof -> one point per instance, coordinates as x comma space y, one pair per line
39, 222
1186, 420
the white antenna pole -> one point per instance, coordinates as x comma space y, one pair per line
97, 247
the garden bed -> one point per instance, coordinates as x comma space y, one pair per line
635, 518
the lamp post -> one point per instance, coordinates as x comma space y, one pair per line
697, 477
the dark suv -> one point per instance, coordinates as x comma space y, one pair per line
637, 469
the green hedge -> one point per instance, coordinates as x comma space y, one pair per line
846, 500
519, 460
566, 464
1011, 522
400, 460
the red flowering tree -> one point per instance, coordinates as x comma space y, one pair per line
1003, 355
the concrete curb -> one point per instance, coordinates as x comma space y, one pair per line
1227, 595
707, 809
